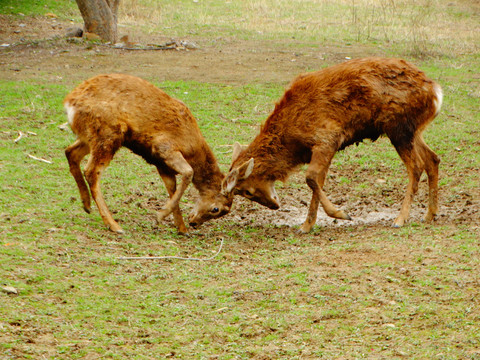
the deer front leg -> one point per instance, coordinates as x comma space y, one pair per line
313, 208
431, 161
315, 177
171, 186
75, 153
415, 167
98, 161
175, 161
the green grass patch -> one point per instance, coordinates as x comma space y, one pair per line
63, 9
354, 291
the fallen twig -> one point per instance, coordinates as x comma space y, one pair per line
20, 136
166, 47
171, 257
171, 45
39, 159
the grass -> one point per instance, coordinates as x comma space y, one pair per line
79, 301
64, 9
352, 292
420, 28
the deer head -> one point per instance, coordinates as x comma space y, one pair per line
241, 180
210, 205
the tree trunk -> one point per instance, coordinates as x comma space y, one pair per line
100, 17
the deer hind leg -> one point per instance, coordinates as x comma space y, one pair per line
175, 161
171, 186
415, 166
75, 153
315, 177
431, 161
99, 160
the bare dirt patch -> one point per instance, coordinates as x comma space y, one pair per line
38, 48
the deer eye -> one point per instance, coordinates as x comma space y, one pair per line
215, 210
248, 194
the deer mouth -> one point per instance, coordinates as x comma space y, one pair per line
273, 206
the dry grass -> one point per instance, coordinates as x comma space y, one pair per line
422, 27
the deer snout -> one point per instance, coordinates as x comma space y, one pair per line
197, 218
274, 199
193, 221
273, 205
271, 202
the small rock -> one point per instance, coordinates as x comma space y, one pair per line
10, 290
74, 32
64, 126
189, 44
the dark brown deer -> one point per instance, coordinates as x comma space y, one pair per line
111, 111
324, 112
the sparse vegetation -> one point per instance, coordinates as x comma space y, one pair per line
352, 291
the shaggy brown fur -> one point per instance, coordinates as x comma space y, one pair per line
111, 111
325, 111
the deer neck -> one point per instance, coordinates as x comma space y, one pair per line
206, 173
273, 160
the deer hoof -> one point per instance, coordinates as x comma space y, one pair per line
399, 221
162, 214
428, 218
87, 209
342, 215
117, 229
304, 229
397, 224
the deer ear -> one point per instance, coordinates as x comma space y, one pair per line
237, 149
245, 170
239, 173
230, 181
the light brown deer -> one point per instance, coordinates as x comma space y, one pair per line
107, 112
324, 112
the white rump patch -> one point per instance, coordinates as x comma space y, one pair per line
70, 113
439, 98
